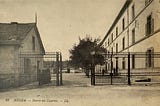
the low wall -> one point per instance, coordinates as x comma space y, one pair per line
12, 80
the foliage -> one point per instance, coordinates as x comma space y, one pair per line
81, 53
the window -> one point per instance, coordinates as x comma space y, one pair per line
33, 43
117, 65
112, 37
108, 42
123, 24
133, 61
147, 2
116, 47
133, 12
149, 25
105, 44
123, 63
150, 58
133, 36
116, 31
123, 43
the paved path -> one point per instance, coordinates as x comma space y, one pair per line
76, 79
78, 92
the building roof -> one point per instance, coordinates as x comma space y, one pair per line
14, 33
123, 9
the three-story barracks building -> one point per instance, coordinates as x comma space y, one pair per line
135, 29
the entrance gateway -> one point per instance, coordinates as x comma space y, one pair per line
45, 68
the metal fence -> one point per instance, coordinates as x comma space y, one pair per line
136, 68
30, 67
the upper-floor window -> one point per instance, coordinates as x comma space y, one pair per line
108, 42
105, 44
116, 31
112, 37
123, 23
149, 25
123, 43
133, 12
116, 47
133, 36
147, 2
33, 43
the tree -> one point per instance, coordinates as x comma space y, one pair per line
81, 53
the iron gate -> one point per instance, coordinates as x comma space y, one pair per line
30, 67
47, 67
136, 68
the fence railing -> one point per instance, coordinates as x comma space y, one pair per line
129, 74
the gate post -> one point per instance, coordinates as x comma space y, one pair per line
93, 69
57, 69
129, 69
61, 69
92, 75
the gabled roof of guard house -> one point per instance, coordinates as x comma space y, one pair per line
14, 33
123, 9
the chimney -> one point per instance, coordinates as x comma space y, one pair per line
14, 28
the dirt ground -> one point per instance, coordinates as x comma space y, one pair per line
77, 91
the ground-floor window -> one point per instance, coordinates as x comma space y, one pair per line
150, 58
123, 63
133, 61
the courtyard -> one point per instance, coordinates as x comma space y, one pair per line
77, 91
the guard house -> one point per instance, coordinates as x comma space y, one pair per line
16, 39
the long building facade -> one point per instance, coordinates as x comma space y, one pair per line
136, 29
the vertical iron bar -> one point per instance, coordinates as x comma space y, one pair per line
93, 72
93, 69
129, 80
61, 69
116, 65
111, 74
57, 69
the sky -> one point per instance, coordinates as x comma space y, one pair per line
62, 22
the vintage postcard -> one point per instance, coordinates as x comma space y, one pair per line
79, 52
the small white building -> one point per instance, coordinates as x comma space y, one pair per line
17, 39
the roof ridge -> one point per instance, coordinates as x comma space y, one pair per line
18, 23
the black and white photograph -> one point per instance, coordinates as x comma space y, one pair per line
79, 52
